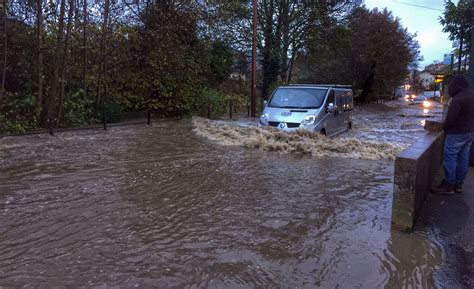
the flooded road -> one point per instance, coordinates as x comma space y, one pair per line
163, 206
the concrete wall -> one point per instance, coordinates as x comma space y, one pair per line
417, 169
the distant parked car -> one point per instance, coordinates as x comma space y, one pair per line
432, 94
409, 96
419, 99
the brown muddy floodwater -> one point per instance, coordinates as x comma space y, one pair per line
162, 206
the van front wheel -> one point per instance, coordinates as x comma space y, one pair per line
349, 125
323, 132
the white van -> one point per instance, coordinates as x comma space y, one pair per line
316, 107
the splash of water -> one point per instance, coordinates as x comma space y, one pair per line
300, 141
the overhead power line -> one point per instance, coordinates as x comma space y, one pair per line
419, 6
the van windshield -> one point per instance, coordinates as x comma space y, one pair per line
290, 97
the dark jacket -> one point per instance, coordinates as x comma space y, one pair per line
460, 115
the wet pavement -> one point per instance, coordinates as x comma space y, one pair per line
451, 218
161, 206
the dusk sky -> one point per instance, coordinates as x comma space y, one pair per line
425, 22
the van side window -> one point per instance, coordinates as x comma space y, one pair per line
340, 100
331, 98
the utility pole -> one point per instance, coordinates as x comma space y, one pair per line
254, 60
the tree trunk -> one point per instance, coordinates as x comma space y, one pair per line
84, 46
471, 60
271, 51
461, 39
465, 62
40, 33
102, 52
5, 50
77, 20
65, 57
368, 84
285, 21
57, 62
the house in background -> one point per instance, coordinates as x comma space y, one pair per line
426, 79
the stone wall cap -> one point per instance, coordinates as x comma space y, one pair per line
416, 150
434, 125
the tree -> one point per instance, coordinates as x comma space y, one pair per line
84, 47
103, 58
382, 52
71, 63
457, 21
40, 68
64, 60
57, 63
168, 61
220, 63
327, 47
371, 51
283, 27
3, 30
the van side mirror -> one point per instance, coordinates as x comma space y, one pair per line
331, 108
265, 102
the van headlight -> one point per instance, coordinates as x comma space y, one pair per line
308, 120
264, 119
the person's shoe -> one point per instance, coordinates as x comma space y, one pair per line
443, 189
458, 188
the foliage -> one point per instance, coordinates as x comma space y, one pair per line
17, 114
209, 101
382, 49
181, 57
78, 110
372, 52
457, 21
220, 63
216, 103
239, 101
168, 62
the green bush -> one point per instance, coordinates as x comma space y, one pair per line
17, 113
239, 102
113, 110
78, 110
15, 127
209, 100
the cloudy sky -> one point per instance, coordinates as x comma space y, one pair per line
424, 21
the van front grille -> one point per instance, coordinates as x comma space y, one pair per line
288, 124
292, 124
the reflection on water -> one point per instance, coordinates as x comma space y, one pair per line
159, 206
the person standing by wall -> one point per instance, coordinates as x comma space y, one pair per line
459, 129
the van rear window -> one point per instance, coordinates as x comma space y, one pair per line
289, 97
